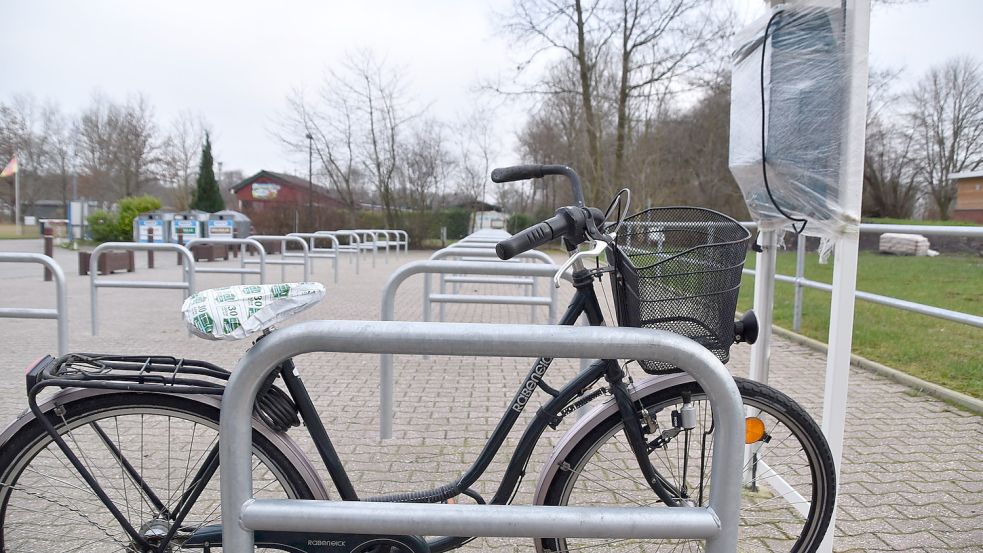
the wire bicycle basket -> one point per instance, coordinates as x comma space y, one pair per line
679, 269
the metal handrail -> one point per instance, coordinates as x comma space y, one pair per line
242, 271
188, 270
717, 523
60, 312
305, 252
799, 281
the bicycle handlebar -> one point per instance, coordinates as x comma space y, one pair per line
568, 221
534, 236
525, 172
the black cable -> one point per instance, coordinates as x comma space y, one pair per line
764, 170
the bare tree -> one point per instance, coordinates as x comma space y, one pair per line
946, 118
118, 145
330, 123
890, 186
425, 164
627, 53
379, 97
356, 124
475, 149
62, 160
27, 127
179, 157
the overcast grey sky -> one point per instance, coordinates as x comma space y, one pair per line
234, 61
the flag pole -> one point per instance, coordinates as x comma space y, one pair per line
20, 231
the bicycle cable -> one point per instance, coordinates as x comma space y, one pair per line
764, 165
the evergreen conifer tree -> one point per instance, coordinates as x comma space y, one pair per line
207, 196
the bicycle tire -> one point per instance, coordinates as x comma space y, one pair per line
46, 506
603, 453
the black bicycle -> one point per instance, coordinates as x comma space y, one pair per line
122, 456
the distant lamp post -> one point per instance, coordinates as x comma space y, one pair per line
310, 181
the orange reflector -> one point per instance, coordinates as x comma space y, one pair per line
754, 430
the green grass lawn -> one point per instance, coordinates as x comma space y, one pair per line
9, 231
890, 221
932, 349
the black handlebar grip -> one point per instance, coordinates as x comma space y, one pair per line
517, 172
532, 237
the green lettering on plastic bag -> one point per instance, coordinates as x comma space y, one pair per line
204, 322
228, 325
281, 290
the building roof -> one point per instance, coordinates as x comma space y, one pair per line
965, 175
290, 179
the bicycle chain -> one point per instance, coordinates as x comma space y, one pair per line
68, 507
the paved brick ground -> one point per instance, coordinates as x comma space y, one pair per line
912, 477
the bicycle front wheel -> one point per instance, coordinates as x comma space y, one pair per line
147, 452
789, 478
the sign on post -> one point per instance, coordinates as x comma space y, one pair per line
183, 230
221, 228
150, 231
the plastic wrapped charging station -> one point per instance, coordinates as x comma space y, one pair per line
796, 101
798, 115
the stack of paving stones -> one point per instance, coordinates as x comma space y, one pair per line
912, 477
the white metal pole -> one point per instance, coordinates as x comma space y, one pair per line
764, 303
857, 44
800, 273
17, 197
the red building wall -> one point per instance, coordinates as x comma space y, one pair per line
271, 191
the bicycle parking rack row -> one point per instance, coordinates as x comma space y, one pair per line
717, 523
354, 245
59, 313
386, 376
242, 270
488, 255
315, 252
395, 238
188, 272
305, 253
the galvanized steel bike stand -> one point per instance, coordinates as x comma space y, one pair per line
60, 313
241, 514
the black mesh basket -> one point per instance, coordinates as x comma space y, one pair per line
679, 269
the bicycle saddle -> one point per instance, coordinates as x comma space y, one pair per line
235, 312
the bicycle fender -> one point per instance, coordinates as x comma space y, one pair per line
280, 440
591, 420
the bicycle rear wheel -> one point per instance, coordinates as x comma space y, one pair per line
45, 505
601, 470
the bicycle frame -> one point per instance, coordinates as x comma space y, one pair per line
584, 303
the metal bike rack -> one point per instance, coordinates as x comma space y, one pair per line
242, 514
389, 241
242, 271
188, 270
402, 239
354, 245
319, 253
60, 312
362, 244
305, 252
386, 378
487, 255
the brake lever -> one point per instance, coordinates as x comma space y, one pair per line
594, 251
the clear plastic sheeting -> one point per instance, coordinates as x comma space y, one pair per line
800, 94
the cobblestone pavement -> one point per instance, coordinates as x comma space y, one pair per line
912, 477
